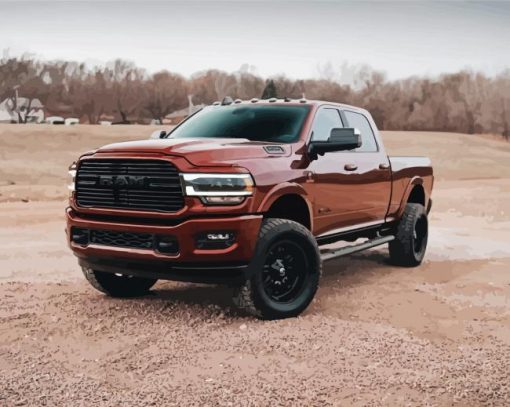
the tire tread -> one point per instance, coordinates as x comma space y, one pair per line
401, 249
121, 288
244, 297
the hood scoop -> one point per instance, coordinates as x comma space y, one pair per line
274, 149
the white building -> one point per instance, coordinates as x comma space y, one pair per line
29, 109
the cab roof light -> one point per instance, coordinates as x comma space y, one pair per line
216, 103
254, 100
238, 101
272, 100
227, 100
286, 99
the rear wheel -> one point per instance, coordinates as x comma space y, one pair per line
118, 285
408, 248
286, 271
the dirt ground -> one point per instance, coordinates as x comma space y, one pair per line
438, 334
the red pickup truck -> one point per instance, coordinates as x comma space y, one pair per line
244, 193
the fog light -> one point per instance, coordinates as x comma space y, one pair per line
167, 244
222, 200
215, 240
220, 236
80, 236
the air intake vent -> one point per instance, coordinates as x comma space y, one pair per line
274, 149
145, 185
122, 239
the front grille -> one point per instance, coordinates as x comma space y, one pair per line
148, 185
122, 239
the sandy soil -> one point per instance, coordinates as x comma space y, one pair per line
375, 334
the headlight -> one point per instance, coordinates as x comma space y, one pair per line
218, 189
71, 177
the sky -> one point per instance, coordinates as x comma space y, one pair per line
301, 39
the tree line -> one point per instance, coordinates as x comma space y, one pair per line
467, 102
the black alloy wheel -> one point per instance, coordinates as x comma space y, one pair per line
284, 274
285, 271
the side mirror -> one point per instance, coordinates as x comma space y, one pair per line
340, 139
158, 134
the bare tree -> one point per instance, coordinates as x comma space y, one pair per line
202, 86
166, 92
127, 83
464, 102
248, 85
21, 82
225, 85
90, 96
286, 87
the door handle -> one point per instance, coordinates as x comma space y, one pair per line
384, 166
350, 167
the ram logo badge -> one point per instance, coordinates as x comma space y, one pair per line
121, 181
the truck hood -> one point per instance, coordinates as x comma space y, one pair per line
202, 151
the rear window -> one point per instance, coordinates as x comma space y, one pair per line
280, 124
361, 123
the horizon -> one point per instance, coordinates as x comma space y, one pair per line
339, 74
400, 39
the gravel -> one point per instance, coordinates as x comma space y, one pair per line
65, 344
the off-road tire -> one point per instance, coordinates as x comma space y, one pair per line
118, 286
252, 296
406, 250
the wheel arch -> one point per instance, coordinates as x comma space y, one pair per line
285, 196
415, 192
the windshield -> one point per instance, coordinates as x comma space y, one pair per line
275, 123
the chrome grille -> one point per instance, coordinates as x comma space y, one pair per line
148, 185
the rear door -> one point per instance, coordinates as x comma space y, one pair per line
372, 175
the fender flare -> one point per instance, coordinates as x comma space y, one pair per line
286, 188
416, 180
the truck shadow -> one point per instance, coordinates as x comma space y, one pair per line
338, 274
194, 294
355, 268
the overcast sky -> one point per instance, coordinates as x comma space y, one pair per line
402, 39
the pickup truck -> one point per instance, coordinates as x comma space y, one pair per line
243, 193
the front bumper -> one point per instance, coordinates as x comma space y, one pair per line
189, 264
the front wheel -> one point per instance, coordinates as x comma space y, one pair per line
285, 271
118, 285
408, 248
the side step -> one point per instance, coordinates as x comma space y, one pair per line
357, 247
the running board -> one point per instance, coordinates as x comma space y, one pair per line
357, 247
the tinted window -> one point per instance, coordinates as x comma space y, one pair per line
275, 123
325, 120
361, 123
